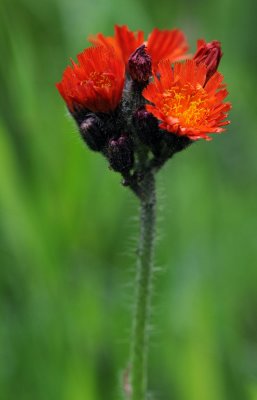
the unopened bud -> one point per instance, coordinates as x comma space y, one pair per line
140, 65
93, 133
147, 127
120, 153
210, 55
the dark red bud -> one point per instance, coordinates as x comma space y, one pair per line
120, 153
210, 55
147, 127
140, 65
93, 133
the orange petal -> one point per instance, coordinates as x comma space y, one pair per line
166, 44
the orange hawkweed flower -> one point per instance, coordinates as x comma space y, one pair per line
95, 83
124, 41
168, 44
184, 104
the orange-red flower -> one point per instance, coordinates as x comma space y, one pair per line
124, 41
168, 44
95, 82
184, 104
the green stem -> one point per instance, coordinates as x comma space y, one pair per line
143, 290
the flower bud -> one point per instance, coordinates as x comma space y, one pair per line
140, 65
147, 127
93, 133
120, 153
210, 55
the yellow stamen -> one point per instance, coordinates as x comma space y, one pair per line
190, 106
99, 79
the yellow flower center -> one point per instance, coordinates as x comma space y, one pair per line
188, 104
101, 80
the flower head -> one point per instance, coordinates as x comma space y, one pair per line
209, 54
95, 83
124, 41
184, 104
134, 100
168, 44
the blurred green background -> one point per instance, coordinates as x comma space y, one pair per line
68, 229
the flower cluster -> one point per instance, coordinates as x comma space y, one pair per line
140, 99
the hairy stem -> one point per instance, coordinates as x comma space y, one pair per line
143, 289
